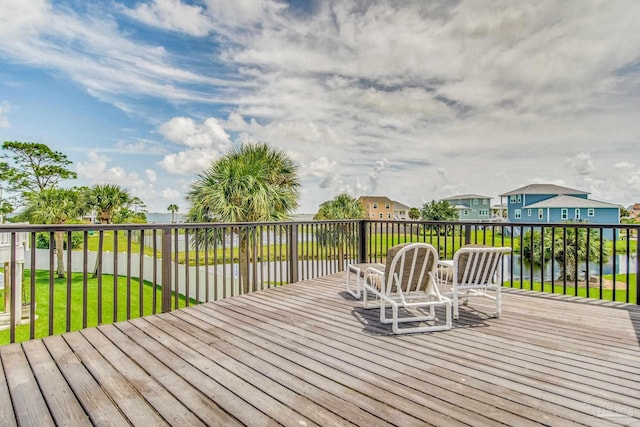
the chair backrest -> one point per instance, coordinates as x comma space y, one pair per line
478, 264
408, 267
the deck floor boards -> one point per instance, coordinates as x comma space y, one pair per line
308, 354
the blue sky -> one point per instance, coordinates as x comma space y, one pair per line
416, 100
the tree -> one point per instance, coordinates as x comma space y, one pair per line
173, 209
55, 206
343, 206
414, 213
251, 183
35, 167
107, 200
569, 248
438, 211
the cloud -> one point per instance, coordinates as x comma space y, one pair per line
189, 162
5, 108
467, 91
170, 194
581, 164
184, 130
96, 170
172, 15
151, 175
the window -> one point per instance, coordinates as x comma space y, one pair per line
475, 201
517, 214
483, 212
375, 206
387, 206
519, 198
465, 212
512, 199
528, 212
564, 213
591, 212
380, 216
577, 214
484, 201
540, 213
389, 216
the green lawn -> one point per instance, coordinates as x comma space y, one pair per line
621, 293
76, 295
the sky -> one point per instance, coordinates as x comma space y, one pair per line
417, 100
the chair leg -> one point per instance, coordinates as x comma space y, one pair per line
498, 303
455, 305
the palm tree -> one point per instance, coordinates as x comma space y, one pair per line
414, 213
107, 200
55, 206
173, 209
343, 206
251, 183
569, 248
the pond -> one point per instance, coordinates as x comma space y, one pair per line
623, 264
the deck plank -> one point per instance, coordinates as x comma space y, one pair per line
148, 339
65, 409
7, 416
129, 401
30, 407
172, 410
95, 401
309, 354
397, 365
182, 391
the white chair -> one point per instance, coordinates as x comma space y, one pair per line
358, 270
476, 270
407, 282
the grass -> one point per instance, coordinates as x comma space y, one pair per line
621, 292
76, 296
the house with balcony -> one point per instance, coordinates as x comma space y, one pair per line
400, 211
471, 207
549, 203
377, 207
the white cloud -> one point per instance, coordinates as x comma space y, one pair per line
151, 175
5, 108
170, 194
469, 96
184, 130
96, 170
581, 164
172, 15
188, 162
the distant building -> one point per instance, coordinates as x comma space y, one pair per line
634, 211
471, 207
400, 211
382, 207
377, 207
549, 203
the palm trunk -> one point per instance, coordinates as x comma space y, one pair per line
243, 260
59, 239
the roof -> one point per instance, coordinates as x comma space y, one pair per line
467, 196
398, 205
570, 202
543, 189
375, 199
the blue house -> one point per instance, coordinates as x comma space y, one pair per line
549, 203
471, 207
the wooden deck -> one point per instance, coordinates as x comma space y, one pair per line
307, 354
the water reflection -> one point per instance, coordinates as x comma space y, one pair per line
623, 264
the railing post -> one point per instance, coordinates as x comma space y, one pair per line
362, 241
293, 253
467, 234
166, 270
